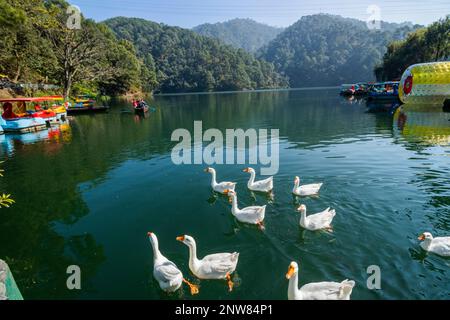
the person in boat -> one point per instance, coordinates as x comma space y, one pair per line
395, 88
135, 103
8, 112
142, 104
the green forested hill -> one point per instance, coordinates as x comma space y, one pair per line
246, 34
330, 50
124, 55
424, 45
36, 46
185, 61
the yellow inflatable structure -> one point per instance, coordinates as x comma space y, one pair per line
425, 123
425, 83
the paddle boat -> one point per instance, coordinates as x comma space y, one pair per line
384, 91
85, 104
50, 108
84, 101
53, 104
58, 106
23, 121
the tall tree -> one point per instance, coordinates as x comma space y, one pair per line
424, 45
80, 52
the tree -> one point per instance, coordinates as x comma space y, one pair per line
325, 49
184, 61
20, 44
423, 45
80, 53
437, 39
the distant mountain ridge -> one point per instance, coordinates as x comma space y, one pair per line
246, 34
323, 49
185, 61
317, 50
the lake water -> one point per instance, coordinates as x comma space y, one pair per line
86, 194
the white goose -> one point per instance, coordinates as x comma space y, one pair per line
318, 221
252, 215
438, 245
325, 290
213, 266
307, 189
221, 186
265, 185
165, 271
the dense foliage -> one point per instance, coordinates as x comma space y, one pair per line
424, 45
124, 55
37, 46
186, 62
246, 34
323, 49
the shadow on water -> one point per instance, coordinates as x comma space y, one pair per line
44, 172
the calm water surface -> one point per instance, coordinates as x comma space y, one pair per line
88, 193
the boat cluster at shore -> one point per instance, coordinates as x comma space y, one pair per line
23, 115
422, 84
374, 91
221, 266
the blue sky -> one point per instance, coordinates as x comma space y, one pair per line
189, 13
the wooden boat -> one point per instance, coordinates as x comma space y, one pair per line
140, 110
85, 104
8, 287
93, 109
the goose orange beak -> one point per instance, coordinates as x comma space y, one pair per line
206, 169
421, 237
226, 191
245, 170
149, 233
290, 272
180, 238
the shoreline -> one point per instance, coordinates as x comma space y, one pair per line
244, 91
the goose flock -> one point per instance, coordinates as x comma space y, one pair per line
221, 266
